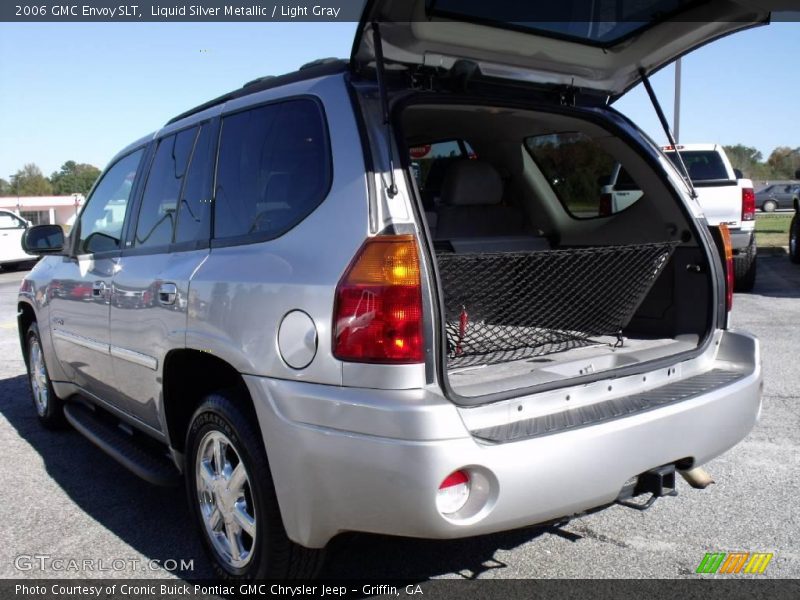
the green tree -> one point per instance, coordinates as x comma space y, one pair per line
5, 188
74, 178
784, 161
745, 158
29, 181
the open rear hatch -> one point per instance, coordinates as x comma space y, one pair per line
553, 297
599, 45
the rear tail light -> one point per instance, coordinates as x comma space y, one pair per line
453, 493
604, 209
722, 237
378, 308
748, 204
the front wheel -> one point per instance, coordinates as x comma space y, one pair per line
769, 206
233, 498
49, 407
794, 234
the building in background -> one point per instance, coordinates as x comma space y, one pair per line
44, 210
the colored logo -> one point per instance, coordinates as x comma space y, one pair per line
734, 562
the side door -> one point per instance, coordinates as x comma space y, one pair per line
11, 230
167, 241
81, 282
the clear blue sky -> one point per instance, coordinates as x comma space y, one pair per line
82, 91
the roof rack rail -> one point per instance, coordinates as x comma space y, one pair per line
258, 80
317, 68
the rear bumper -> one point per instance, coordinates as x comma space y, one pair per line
371, 460
740, 239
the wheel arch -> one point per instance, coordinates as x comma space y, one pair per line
26, 315
189, 375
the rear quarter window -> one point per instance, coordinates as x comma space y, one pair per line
273, 170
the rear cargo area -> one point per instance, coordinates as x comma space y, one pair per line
542, 276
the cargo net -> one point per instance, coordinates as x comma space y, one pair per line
512, 305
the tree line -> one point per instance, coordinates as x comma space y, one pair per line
783, 162
72, 178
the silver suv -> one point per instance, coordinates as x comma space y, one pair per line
381, 295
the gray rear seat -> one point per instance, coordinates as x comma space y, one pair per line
472, 218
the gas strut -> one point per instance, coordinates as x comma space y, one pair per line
665, 126
378, 43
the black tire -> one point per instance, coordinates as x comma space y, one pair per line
769, 206
272, 554
49, 407
744, 268
794, 240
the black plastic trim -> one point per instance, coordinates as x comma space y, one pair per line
135, 456
608, 410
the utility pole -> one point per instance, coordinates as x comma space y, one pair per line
676, 128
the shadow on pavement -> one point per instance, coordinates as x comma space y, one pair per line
777, 277
155, 521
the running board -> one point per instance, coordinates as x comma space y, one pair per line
137, 457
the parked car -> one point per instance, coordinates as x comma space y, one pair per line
12, 226
777, 196
794, 234
317, 357
725, 197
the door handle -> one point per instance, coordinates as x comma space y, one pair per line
167, 293
99, 289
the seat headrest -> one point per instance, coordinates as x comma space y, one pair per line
472, 183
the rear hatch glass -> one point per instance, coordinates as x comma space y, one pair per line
703, 165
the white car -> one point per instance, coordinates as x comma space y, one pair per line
12, 227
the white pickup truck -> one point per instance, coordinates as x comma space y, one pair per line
724, 198
722, 194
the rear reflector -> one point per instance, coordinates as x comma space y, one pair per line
604, 209
378, 308
748, 204
453, 493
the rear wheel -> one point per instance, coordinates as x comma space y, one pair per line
744, 268
769, 206
794, 234
49, 407
233, 498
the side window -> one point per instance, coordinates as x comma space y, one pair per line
160, 199
578, 169
273, 169
194, 210
100, 226
9, 221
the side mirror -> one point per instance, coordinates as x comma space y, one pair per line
738, 173
43, 239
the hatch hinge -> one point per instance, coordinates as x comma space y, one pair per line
568, 96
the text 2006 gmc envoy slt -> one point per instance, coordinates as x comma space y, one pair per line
378, 295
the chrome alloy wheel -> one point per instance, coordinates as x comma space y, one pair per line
226, 501
38, 375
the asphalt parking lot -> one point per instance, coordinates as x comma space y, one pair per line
65, 499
